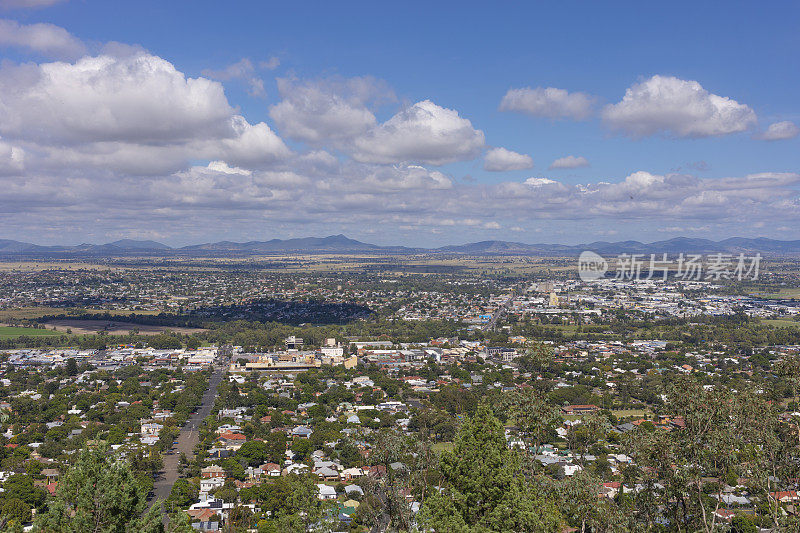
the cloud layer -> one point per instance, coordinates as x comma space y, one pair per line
123, 143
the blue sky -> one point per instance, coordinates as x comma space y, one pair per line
346, 147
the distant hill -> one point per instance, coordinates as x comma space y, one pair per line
334, 243
130, 244
342, 244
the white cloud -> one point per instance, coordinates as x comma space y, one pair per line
539, 182
779, 131
500, 160
27, 4
104, 98
332, 111
41, 38
548, 102
241, 70
12, 159
423, 133
569, 161
681, 108
131, 113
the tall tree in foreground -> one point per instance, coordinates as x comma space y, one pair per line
99, 494
484, 485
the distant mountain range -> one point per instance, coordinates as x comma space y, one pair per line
342, 244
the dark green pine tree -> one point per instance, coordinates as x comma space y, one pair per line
99, 494
484, 486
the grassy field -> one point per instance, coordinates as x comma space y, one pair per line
781, 322
785, 292
9, 332
36, 312
440, 447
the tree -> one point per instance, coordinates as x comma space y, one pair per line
72, 367
183, 494
253, 452
532, 414
21, 487
99, 493
17, 510
484, 485
743, 524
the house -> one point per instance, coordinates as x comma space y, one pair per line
151, 429
206, 526
232, 441
327, 473
326, 492
352, 473
51, 474
579, 409
302, 431
203, 515
784, 496
209, 484
271, 469
724, 514
212, 471
353, 489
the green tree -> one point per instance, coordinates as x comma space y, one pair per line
17, 510
99, 493
485, 487
21, 487
72, 367
183, 494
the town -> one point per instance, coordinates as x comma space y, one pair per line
232, 416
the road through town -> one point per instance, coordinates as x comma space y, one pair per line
187, 439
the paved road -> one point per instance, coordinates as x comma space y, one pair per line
187, 439
500, 311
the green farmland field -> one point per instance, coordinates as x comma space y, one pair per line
7, 332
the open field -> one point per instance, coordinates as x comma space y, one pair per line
36, 312
782, 293
781, 322
91, 327
10, 332
35, 266
440, 447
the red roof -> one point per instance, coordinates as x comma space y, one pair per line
232, 436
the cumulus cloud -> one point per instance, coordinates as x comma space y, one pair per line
132, 112
779, 131
42, 38
241, 70
501, 159
423, 133
548, 102
569, 161
104, 98
332, 111
681, 108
